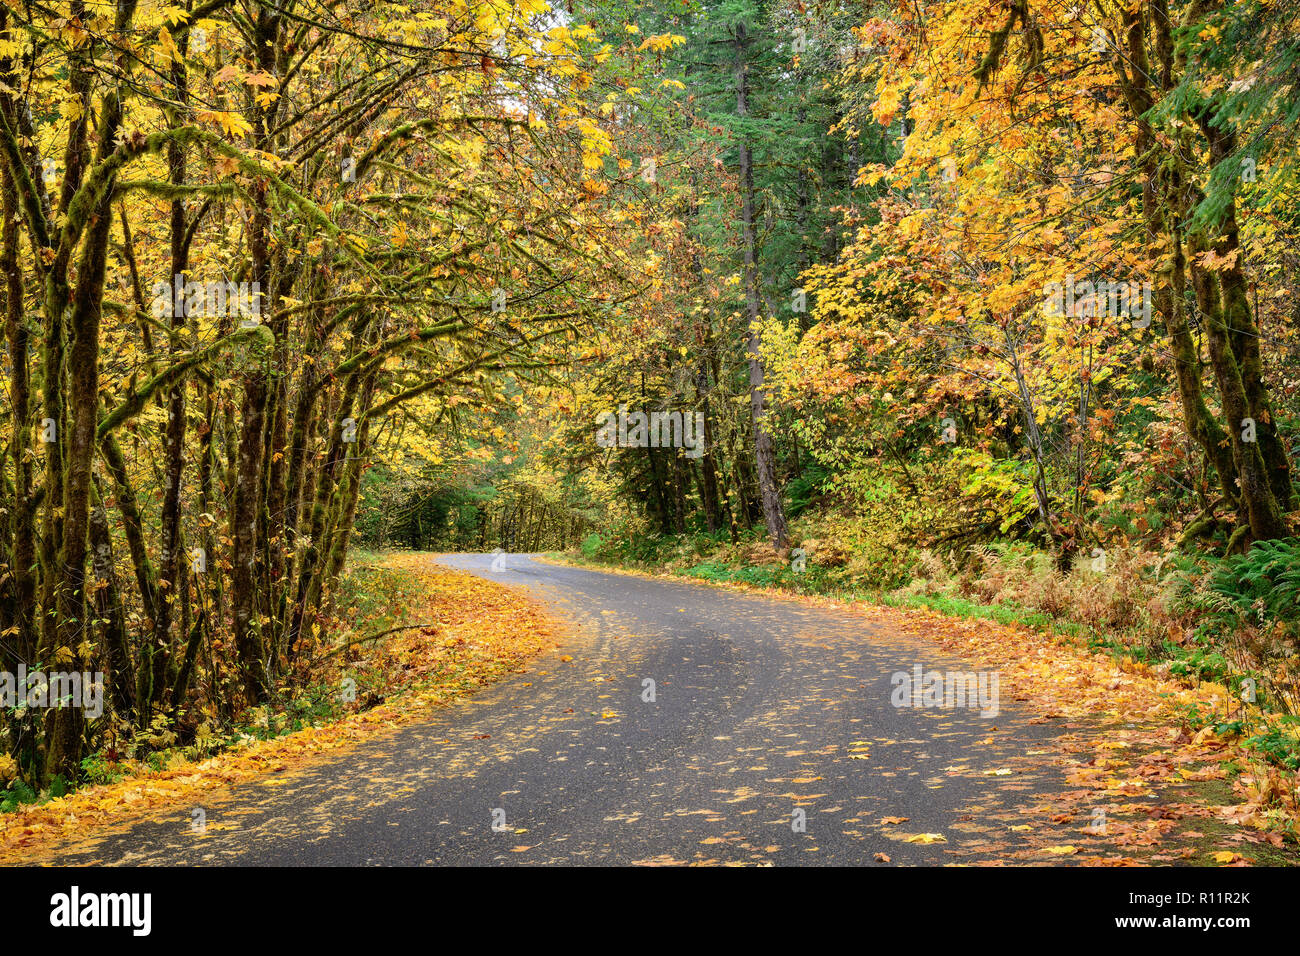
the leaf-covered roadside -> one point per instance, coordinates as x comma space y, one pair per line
1160, 760
1130, 752
473, 632
1229, 621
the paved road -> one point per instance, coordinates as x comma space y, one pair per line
762, 707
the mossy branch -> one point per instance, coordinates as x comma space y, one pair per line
173, 374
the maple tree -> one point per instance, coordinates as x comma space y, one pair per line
243, 246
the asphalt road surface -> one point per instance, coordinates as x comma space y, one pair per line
770, 739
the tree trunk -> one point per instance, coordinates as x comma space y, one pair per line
764, 448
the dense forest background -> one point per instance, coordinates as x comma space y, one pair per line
974, 302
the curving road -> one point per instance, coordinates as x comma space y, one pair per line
764, 711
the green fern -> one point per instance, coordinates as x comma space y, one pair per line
1264, 582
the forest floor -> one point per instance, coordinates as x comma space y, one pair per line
664, 722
